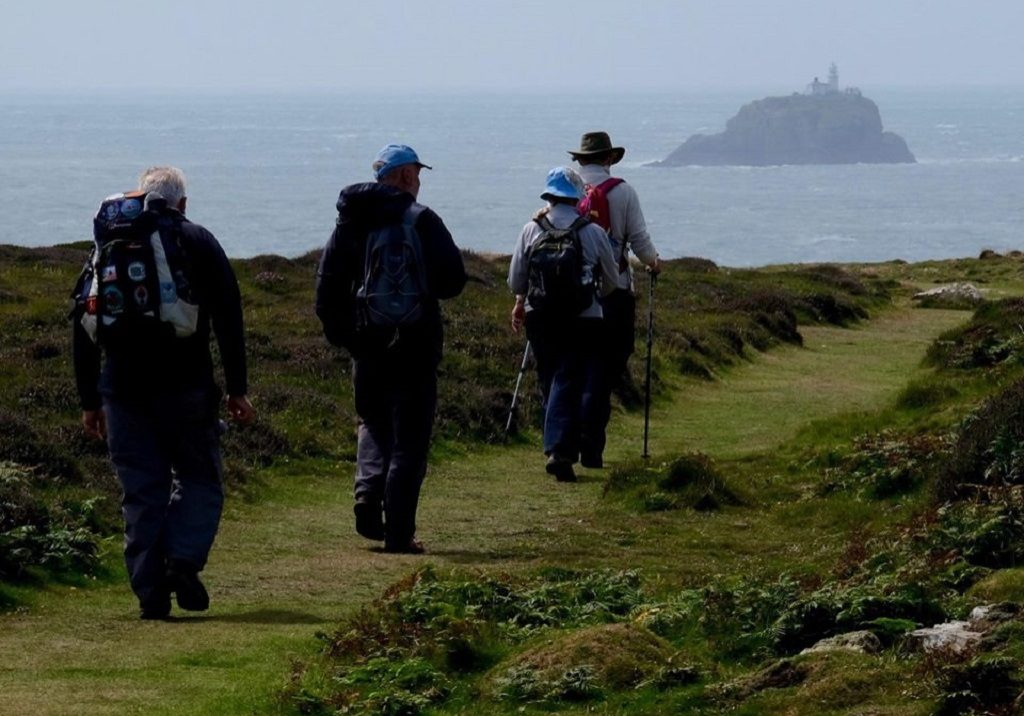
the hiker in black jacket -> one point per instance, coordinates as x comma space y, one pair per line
155, 402
394, 367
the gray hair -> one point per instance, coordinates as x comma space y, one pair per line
168, 182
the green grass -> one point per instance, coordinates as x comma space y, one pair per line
287, 563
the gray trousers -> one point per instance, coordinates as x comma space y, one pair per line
166, 450
395, 396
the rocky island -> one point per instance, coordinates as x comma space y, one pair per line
824, 125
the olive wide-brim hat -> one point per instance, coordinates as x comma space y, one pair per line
593, 143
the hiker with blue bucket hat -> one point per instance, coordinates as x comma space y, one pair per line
561, 264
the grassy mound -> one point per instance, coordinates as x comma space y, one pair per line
994, 335
888, 464
688, 482
988, 451
424, 642
582, 665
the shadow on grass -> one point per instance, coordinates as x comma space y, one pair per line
260, 616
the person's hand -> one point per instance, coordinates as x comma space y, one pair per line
655, 268
518, 315
94, 422
240, 409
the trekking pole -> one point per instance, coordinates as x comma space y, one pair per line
650, 342
515, 393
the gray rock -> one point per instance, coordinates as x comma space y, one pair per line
958, 636
863, 642
988, 617
952, 636
832, 128
953, 293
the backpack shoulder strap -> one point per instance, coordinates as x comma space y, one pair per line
544, 222
610, 183
412, 214
579, 223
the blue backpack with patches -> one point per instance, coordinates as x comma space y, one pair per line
394, 289
135, 287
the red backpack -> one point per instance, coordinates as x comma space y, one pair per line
594, 206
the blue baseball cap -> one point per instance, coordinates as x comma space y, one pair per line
395, 155
563, 182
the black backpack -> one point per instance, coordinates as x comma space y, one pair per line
394, 288
559, 283
135, 287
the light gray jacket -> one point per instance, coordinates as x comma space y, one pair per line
627, 221
597, 254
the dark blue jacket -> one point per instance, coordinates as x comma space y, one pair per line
361, 209
179, 364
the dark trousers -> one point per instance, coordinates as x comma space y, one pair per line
619, 309
572, 375
395, 396
166, 450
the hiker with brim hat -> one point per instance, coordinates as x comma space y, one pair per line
597, 146
560, 264
614, 205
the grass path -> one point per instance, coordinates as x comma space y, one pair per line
289, 565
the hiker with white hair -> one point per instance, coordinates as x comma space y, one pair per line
144, 307
561, 263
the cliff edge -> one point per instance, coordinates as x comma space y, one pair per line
833, 128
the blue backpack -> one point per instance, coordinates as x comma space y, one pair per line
394, 288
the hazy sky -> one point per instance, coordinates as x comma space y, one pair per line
471, 44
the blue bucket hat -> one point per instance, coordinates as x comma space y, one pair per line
563, 182
393, 156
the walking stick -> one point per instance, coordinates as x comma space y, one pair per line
515, 393
650, 342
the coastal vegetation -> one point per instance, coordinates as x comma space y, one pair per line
828, 459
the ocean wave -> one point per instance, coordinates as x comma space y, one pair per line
950, 161
825, 239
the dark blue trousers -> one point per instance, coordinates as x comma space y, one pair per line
395, 397
572, 370
619, 309
166, 450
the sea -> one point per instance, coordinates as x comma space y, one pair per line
264, 170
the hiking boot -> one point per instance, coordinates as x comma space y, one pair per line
592, 461
561, 468
156, 607
413, 546
183, 582
369, 518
